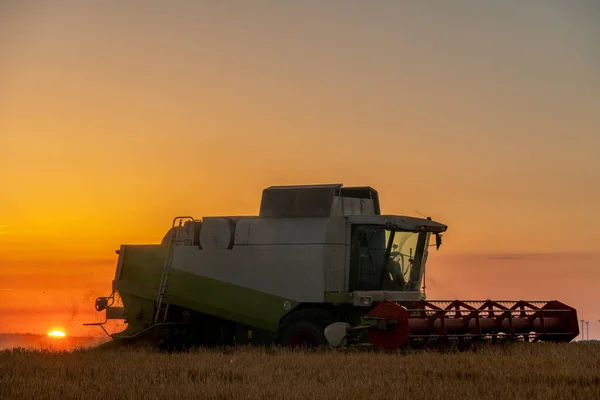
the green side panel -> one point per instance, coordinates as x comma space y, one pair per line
139, 313
236, 303
143, 265
140, 277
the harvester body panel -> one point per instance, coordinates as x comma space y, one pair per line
280, 257
139, 284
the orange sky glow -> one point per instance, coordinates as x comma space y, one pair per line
482, 116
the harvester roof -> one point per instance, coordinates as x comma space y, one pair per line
318, 201
400, 222
360, 203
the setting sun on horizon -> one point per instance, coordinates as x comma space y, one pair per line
115, 120
57, 333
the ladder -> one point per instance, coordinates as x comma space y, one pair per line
175, 239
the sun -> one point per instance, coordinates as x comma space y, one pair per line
56, 334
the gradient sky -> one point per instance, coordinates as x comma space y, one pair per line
114, 119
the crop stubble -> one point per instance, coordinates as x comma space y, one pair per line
524, 371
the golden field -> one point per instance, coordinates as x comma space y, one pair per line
518, 371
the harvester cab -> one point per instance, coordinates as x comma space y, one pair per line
318, 265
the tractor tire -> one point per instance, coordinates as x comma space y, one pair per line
305, 328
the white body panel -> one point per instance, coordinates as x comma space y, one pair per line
299, 259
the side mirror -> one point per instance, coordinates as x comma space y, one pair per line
336, 333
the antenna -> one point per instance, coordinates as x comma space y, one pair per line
420, 213
587, 328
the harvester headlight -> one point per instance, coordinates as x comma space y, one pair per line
365, 300
101, 303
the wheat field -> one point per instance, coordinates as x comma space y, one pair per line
518, 371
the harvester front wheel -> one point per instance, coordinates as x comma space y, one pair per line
305, 329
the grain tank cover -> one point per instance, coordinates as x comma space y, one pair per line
315, 201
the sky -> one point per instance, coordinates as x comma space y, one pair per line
116, 118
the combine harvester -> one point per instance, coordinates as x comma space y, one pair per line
318, 266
